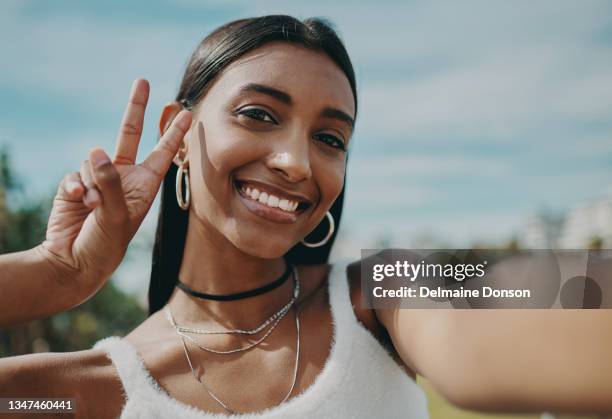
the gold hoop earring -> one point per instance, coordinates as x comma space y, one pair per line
332, 227
183, 203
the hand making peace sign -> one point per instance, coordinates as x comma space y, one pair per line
97, 211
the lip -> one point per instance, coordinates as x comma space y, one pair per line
275, 191
276, 215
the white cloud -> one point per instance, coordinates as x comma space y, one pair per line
459, 230
498, 98
393, 183
400, 167
93, 63
381, 32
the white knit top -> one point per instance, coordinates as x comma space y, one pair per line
359, 379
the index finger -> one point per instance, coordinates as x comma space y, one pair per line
131, 125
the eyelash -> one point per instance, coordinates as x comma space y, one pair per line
333, 141
258, 114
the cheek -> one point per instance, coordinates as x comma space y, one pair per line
224, 146
330, 178
213, 152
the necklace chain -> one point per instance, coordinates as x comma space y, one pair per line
182, 335
280, 313
231, 351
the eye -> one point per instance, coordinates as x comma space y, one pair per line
331, 140
257, 114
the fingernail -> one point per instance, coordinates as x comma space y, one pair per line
98, 158
73, 186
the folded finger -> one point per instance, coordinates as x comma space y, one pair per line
113, 211
71, 188
132, 123
91, 197
74, 186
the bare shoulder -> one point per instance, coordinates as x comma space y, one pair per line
368, 317
87, 376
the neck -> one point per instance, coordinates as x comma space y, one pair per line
213, 265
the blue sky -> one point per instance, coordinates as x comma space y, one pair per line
473, 114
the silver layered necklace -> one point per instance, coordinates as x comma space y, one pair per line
274, 320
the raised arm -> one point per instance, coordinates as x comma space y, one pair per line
510, 360
95, 214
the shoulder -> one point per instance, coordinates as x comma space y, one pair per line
87, 376
368, 317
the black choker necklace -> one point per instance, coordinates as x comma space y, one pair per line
239, 295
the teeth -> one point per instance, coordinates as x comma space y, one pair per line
273, 201
270, 200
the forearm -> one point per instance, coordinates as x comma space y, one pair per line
32, 287
504, 360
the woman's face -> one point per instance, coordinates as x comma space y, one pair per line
266, 150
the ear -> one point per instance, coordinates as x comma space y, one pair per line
167, 116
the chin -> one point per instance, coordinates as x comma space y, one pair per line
264, 248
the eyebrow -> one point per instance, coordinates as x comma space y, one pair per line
267, 90
338, 114
286, 99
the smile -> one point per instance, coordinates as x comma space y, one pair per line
271, 205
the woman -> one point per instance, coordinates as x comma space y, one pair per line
246, 316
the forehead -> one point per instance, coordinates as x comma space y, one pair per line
310, 77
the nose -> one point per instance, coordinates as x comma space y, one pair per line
291, 159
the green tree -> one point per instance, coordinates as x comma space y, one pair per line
595, 243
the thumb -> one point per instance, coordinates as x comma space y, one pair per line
113, 209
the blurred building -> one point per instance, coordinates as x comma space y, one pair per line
586, 225
542, 231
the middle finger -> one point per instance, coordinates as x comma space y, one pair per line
132, 123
